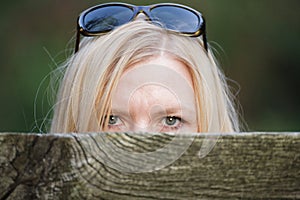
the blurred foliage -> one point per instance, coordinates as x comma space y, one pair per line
257, 42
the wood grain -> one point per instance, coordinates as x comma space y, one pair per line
97, 166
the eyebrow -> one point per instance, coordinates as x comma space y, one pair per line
167, 110
182, 110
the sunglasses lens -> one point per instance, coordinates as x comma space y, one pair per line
106, 18
177, 19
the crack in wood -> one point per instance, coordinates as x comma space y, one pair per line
72, 166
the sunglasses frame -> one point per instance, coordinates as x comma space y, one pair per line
136, 10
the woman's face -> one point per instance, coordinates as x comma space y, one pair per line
155, 95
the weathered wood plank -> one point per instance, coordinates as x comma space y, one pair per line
135, 166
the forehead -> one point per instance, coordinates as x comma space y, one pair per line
160, 79
161, 68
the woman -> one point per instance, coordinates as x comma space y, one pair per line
145, 68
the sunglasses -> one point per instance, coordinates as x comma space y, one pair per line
176, 18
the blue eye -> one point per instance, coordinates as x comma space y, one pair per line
113, 120
172, 121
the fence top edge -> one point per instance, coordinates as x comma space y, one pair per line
71, 135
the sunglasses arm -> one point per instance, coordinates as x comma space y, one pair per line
204, 38
205, 41
77, 40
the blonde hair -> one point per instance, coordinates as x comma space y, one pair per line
84, 96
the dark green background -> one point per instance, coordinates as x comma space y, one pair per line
260, 50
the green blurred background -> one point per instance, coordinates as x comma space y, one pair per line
257, 40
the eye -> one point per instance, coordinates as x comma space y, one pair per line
113, 120
114, 123
172, 121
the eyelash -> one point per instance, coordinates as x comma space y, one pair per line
116, 124
173, 127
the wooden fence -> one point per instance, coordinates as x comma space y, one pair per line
131, 166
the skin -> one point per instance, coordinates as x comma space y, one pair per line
155, 95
